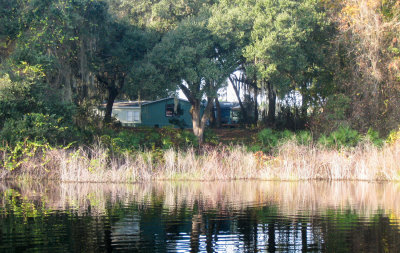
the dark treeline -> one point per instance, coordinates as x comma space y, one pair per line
319, 64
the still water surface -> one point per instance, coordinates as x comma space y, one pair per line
200, 217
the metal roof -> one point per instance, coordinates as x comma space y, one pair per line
137, 104
157, 101
127, 104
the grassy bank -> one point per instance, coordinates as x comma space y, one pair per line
288, 161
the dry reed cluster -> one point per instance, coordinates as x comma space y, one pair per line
290, 162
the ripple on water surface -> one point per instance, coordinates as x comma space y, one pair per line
199, 216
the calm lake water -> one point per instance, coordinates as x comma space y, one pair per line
200, 217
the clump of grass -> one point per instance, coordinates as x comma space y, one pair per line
96, 165
363, 162
213, 164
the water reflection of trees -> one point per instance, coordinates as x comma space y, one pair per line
202, 217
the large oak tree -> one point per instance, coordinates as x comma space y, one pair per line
194, 58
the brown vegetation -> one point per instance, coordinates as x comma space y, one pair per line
290, 162
366, 64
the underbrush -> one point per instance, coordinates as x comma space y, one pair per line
127, 140
267, 140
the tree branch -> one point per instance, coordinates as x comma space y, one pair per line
187, 93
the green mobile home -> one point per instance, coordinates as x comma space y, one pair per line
127, 112
167, 112
159, 113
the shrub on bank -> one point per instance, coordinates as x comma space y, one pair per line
373, 137
304, 137
344, 136
269, 139
393, 136
37, 127
131, 140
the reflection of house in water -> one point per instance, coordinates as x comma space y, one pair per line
127, 227
161, 231
163, 112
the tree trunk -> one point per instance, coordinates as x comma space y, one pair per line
218, 107
242, 109
211, 227
195, 111
304, 101
304, 244
271, 104
195, 233
213, 119
112, 94
198, 121
107, 237
271, 237
205, 118
113, 86
255, 105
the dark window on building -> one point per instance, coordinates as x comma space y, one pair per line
172, 111
169, 110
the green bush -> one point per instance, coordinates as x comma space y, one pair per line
129, 140
38, 127
211, 137
126, 141
393, 136
153, 139
15, 99
303, 137
323, 140
25, 91
373, 137
268, 137
22, 151
31, 109
344, 136
271, 138
188, 138
285, 135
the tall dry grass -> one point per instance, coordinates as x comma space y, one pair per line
213, 164
364, 162
96, 165
290, 162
